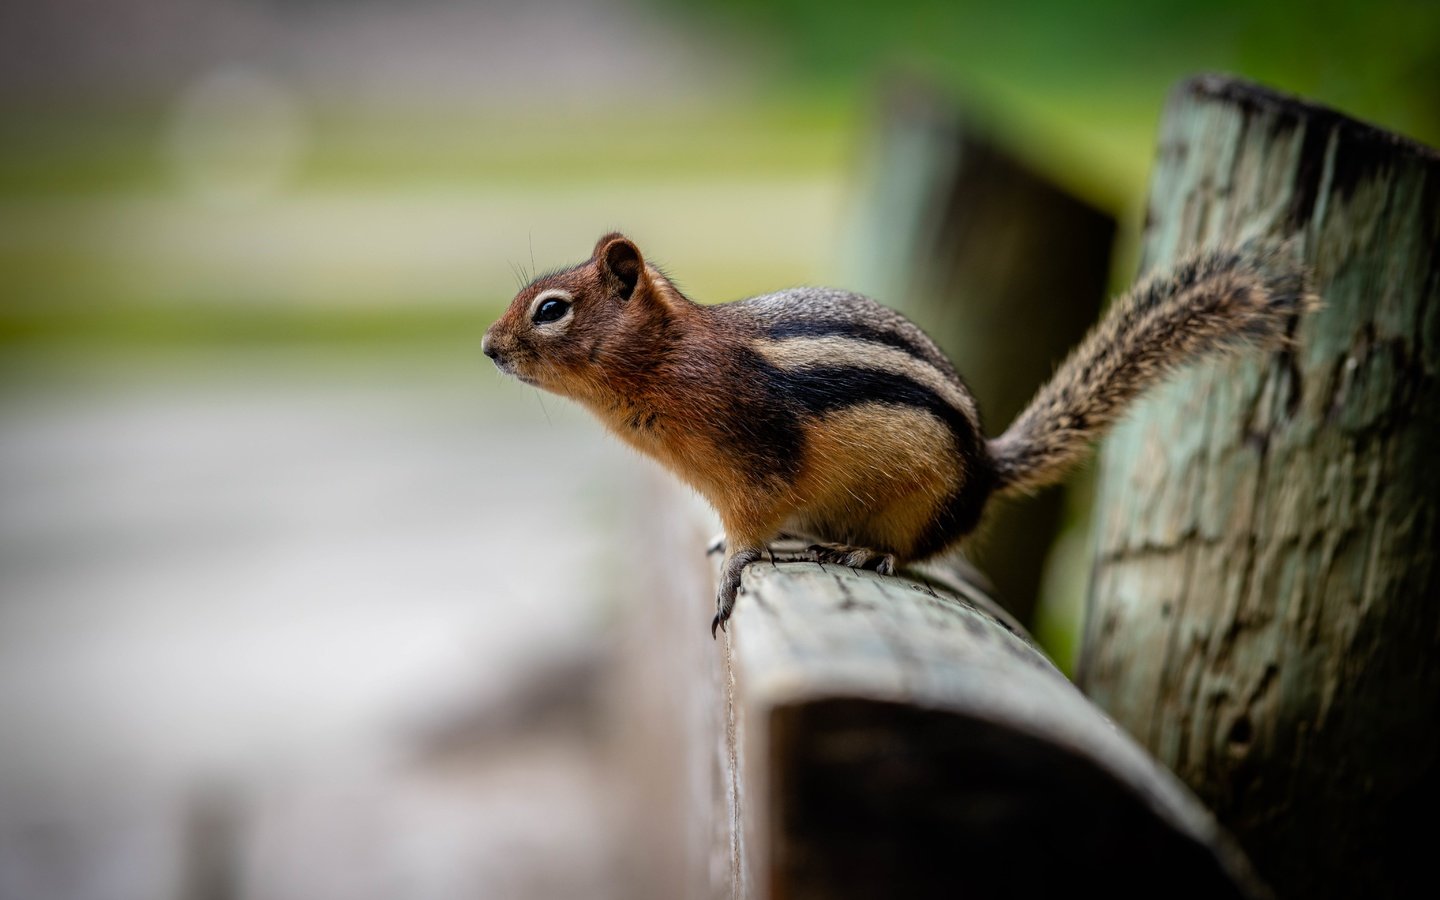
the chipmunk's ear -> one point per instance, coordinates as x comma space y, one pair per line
620, 263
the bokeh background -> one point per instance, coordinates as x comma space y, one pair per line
297, 597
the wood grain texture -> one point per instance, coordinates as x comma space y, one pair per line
1265, 607
892, 737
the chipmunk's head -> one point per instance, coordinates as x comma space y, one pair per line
568, 330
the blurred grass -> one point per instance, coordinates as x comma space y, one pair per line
1078, 89
398, 226
407, 223
82, 150
1098, 72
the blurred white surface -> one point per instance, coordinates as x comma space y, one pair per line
248, 593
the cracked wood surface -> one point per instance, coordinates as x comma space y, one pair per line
1265, 607
893, 736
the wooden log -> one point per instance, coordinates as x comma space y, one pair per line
897, 737
1002, 266
1265, 607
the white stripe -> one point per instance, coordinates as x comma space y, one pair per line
833, 350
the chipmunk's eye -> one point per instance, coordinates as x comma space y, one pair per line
550, 311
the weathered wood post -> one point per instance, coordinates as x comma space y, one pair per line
1265, 607
1005, 268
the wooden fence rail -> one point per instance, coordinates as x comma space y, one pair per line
896, 738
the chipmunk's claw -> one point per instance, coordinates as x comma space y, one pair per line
723, 609
729, 587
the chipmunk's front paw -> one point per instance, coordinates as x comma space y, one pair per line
853, 557
735, 563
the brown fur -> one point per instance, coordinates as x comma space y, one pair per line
654, 372
876, 478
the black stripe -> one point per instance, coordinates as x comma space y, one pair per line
821, 328
760, 426
772, 433
820, 390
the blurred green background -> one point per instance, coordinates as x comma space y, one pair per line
270, 517
193, 179
223, 172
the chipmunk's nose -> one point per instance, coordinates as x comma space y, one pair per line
487, 347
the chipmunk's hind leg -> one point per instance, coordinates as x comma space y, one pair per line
853, 557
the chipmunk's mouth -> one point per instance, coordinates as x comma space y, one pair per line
507, 367
506, 364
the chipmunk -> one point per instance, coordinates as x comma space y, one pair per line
821, 413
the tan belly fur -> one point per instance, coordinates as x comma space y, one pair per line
882, 470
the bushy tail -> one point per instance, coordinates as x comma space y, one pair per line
1210, 302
